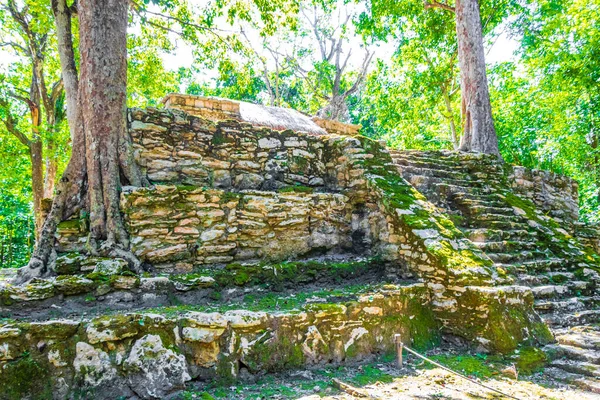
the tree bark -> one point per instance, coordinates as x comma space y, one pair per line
102, 149
479, 132
51, 167
37, 182
36, 153
103, 48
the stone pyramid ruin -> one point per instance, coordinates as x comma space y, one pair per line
272, 241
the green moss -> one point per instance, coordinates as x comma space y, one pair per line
25, 378
71, 285
530, 360
300, 164
229, 196
186, 188
479, 365
71, 224
219, 138
553, 237
277, 276
371, 374
398, 194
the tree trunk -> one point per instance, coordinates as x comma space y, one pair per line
51, 167
103, 47
336, 109
479, 132
36, 154
37, 182
102, 150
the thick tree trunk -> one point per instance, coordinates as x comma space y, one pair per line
101, 150
70, 190
479, 132
103, 44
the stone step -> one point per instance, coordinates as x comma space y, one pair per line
154, 352
533, 280
559, 291
497, 218
505, 246
410, 169
422, 161
549, 278
429, 182
83, 293
500, 225
577, 367
475, 211
572, 304
482, 198
485, 234
453, 190
587, 339
477, 165
535, 267
556, 351
469, 203
516, 257
549, 291
560, 276
577, 380
562, 318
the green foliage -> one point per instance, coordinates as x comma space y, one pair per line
547, 104
16, 216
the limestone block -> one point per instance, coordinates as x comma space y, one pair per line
93, 366
248, 181
204, 335
154, 371
269, 143
111, 329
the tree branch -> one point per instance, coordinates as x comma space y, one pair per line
57, 89
436, 4
361, 76
11, 125
141, 10
15, 46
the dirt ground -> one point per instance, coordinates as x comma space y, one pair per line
440, 384
382, 379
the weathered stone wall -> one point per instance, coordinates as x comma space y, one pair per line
152, 356
174, 147
375, 211
588, 234
177, 228
554, 194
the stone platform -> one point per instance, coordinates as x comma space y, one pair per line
268, 246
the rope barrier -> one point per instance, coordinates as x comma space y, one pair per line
457, 373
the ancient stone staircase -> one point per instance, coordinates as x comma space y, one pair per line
476, 192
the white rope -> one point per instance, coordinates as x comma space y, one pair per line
457, 373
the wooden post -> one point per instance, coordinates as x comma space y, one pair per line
399, 346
